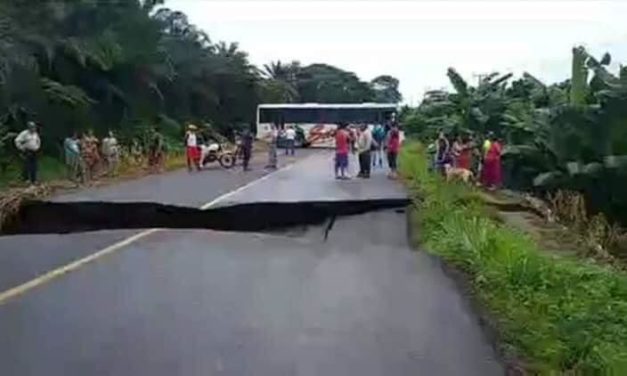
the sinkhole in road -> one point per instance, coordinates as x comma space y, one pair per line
40, 217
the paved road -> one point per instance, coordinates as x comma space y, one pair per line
211, 303
23, 257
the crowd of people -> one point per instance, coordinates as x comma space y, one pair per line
465, 155
86, 157
370, 144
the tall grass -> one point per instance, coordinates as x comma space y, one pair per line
559, 315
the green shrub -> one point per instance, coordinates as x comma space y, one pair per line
560, 315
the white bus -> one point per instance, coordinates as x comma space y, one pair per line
315, 123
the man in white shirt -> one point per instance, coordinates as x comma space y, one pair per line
290, 140
192, 148
28, 143
111, 153
364, 144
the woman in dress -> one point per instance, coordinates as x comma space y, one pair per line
464, 154
492, 175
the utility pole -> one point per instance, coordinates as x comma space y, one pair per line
480, 77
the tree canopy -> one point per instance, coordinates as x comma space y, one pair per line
128, 64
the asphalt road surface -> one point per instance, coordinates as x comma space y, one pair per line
191, 302
24, 257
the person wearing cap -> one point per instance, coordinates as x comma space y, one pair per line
28, 143
192, 148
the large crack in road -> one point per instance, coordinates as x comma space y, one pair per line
40, 217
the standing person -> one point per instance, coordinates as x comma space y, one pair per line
111, 153
272, 139
492, 176
28, 143
487, 143
464, 156
393, 147
73, 162
476, 156
290, 140
442, 152
89, 154
342, 147
247, 148
431, 151
378, 136
456, 149
485, 147
156, 151
364, 144
192, 148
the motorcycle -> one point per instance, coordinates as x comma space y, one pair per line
214, 151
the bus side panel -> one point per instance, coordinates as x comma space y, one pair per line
263, 130
319, 135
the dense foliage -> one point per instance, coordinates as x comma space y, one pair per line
131, 64
554, 315
568, 135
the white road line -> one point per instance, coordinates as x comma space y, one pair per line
55, 273
14, 292
245, 186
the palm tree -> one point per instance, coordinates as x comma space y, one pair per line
283, 80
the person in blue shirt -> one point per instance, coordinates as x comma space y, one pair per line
73, 161
378, 135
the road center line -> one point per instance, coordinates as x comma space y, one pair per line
49, 276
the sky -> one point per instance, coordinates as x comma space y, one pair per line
416, 41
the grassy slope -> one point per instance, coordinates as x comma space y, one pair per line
558, 314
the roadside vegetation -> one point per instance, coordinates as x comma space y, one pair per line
554, 314
570, 135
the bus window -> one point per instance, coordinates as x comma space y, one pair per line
269, 115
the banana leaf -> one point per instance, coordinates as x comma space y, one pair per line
593, 168
519, 150
574, 168
547, 178
615, 161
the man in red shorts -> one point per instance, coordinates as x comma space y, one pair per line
192, 148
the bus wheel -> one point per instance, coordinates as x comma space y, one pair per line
227, 160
